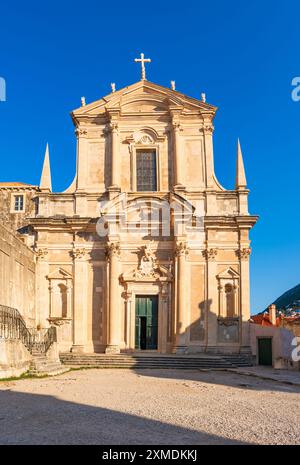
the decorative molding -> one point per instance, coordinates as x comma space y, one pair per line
210, 254
59, 321
145, 139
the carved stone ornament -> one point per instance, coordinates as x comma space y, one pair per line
145, 139
244, 254
148, 265
208, 128
210, 254
80, 132
113, 249
78, 253
41, 253
181, 249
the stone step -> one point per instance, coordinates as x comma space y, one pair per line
155, 361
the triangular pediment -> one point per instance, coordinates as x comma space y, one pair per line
60, 273
147, 96
228, 273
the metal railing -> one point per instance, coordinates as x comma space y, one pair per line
13, 326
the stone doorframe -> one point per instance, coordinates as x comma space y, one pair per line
162, 289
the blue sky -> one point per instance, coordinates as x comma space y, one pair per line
243, 55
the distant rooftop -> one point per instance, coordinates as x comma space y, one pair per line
16, 184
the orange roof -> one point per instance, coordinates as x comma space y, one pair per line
263, 320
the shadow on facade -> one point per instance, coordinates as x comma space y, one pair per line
43, 419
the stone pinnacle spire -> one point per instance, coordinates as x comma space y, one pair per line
240, 180
45, 183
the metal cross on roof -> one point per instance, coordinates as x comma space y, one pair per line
143, 60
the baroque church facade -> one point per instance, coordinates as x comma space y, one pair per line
145, 250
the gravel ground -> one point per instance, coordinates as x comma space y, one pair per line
149, 407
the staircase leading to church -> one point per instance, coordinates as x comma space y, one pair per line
37, 342
156, 361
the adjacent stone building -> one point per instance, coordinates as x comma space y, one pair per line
17, 276
145, 250
17, 202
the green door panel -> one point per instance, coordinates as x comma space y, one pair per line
146, 322
265, 351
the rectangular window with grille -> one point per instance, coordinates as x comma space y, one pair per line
146, 173
19, 203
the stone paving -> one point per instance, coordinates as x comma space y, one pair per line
105, 406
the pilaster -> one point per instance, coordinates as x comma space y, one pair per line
181, 252
42, 287
82, 156
80, 300
210, 255
114, 323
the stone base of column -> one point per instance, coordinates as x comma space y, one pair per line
113, 191
77, 349
112, 349
181, 350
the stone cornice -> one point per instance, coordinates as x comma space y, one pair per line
246, 221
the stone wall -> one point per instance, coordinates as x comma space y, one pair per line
8, 216
17, 276
14, 358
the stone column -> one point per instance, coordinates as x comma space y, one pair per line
115, 157
42, 288
80, 300
211, 298
181, 336
179, 165
114, 323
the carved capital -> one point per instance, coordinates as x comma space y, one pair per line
208, 128
112, 250
41, 254
113, 126
127, 295
244, 253
181, 249
210, 254
80, 132
164, 292
176, 126
78, 253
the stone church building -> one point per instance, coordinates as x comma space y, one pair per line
145, 250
